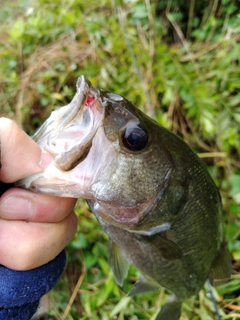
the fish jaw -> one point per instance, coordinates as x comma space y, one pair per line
56, 182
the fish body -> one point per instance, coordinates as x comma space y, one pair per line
150, 192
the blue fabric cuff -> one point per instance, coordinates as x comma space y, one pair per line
20, 291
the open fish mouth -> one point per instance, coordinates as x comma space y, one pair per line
67, 135
68, 132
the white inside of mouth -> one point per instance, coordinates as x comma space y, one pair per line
74, 132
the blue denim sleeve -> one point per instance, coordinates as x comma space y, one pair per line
20, 291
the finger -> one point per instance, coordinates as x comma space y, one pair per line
27, 245
20, 155
18, 204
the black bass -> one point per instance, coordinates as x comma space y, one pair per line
149, 191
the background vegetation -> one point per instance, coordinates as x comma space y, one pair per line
178, 61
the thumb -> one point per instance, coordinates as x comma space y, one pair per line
20, 155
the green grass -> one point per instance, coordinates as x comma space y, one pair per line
176, 60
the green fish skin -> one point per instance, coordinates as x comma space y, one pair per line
150, 192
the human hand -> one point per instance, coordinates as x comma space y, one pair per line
34, 228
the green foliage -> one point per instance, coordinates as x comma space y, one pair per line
176, 60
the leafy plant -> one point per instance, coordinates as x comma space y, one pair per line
176, 60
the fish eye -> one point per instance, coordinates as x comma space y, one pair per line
134, 138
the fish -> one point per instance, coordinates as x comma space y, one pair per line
150, 192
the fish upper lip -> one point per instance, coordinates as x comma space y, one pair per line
55, 123
67, 133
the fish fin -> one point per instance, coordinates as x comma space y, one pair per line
167, 248
118, 263
143, 285
221, 267
154, 230
171, 310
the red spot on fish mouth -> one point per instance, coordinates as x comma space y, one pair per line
89, 101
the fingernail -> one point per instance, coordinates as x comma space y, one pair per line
16, 208
45, 160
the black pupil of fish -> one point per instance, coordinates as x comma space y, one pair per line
135, 139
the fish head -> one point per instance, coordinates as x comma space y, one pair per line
104, 150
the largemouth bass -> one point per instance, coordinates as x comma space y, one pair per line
149, 191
